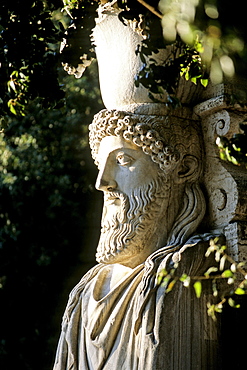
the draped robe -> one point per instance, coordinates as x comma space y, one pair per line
120, 318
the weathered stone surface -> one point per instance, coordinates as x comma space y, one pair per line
119, 63
150, 170
162, 180
225, 183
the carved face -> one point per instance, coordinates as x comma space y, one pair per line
123, 166
136, 200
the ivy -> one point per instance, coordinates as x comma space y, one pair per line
31, 33
226, 270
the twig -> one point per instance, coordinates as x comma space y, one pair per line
150, 8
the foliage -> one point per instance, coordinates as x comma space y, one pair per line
211, 42
153, 76
193, 20
29, 37
184, 60
226, 270
77, 49
46, 187
157, 78
234, 149
46, 180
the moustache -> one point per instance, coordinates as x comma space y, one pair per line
112, 196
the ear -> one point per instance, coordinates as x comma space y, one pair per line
187, 169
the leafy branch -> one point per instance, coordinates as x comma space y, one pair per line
226, 270
18, 86
234, 150
30, 35
29, 58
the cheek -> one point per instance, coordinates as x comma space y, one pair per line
134, 177
127, 179
145, 173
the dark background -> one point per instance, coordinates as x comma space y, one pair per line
49, 221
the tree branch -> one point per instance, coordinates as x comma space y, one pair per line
150, 8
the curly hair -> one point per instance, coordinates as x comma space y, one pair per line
165, 138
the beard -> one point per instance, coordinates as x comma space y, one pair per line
127, 221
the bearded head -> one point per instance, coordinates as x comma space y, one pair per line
149, 171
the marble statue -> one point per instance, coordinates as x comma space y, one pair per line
164, 188
118, 316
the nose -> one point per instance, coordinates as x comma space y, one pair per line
105, 181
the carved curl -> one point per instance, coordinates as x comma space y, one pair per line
165, 139
129, 127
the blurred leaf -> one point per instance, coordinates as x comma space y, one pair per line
198, 288
239, 291
204, 82
171, 285
227, 274
232, 303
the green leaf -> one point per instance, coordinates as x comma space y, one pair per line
183, 277
165, 281
161, 276
11, 107
194, 80
204, 82
239, 291
227, 274
231, 303
198, 288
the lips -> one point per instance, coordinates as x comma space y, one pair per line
109, 201
112, 199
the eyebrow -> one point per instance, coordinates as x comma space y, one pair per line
131, 150
121, 149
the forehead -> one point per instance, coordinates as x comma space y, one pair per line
111, 143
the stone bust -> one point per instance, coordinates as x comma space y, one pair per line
118, 317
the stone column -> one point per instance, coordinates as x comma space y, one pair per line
225, 183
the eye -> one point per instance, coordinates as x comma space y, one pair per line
124, 159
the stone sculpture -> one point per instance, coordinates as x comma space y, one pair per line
150, 170
164, 188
